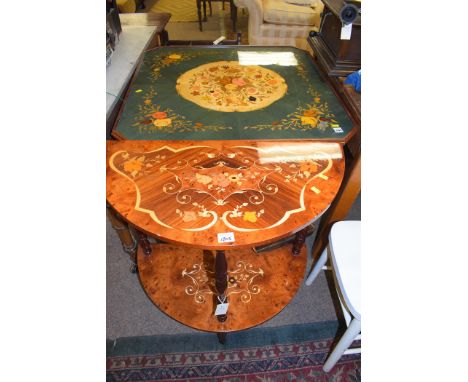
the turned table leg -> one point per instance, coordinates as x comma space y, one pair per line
221, 337
299, 241
144, 243
221, 280
129, 244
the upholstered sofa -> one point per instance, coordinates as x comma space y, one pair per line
280, 22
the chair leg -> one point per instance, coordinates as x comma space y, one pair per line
348, 337
317, 267
233, 15
199, 15
204, 11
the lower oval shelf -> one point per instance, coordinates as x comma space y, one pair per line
180, 281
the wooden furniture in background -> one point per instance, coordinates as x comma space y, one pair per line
194, 194
156, 20
338, 57
233, 12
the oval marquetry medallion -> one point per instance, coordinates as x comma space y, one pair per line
228, 86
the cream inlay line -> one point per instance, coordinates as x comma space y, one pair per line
151, 212
315, 189
288, 213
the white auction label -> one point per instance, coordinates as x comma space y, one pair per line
346, 31
221, 309
226, 237
338, 129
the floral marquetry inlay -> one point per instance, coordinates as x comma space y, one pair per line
229, 86
241, 281
238, 187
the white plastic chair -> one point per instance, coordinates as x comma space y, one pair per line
344, 250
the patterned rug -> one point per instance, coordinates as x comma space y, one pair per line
181, 10
288, 353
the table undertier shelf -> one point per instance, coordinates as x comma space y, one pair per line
180, 281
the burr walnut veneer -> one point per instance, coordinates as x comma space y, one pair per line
213, 202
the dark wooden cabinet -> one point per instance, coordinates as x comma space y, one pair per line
338, 57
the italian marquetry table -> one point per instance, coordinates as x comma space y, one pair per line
221, 153
209, 205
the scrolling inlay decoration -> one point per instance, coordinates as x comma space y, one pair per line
240, 281
238, 185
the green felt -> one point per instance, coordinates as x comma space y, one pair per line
154, 89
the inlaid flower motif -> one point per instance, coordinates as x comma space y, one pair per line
220, 180
134, 165
308, 166
159, 115
312, 112
225, 80
147, 101
189, 216
251, 90
231, 86
238, 81
250, 216
175, 56
309, 121
203, 179
162, 122
317, 99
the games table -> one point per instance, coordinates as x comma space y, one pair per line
221, 150
212, 203
231, 92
